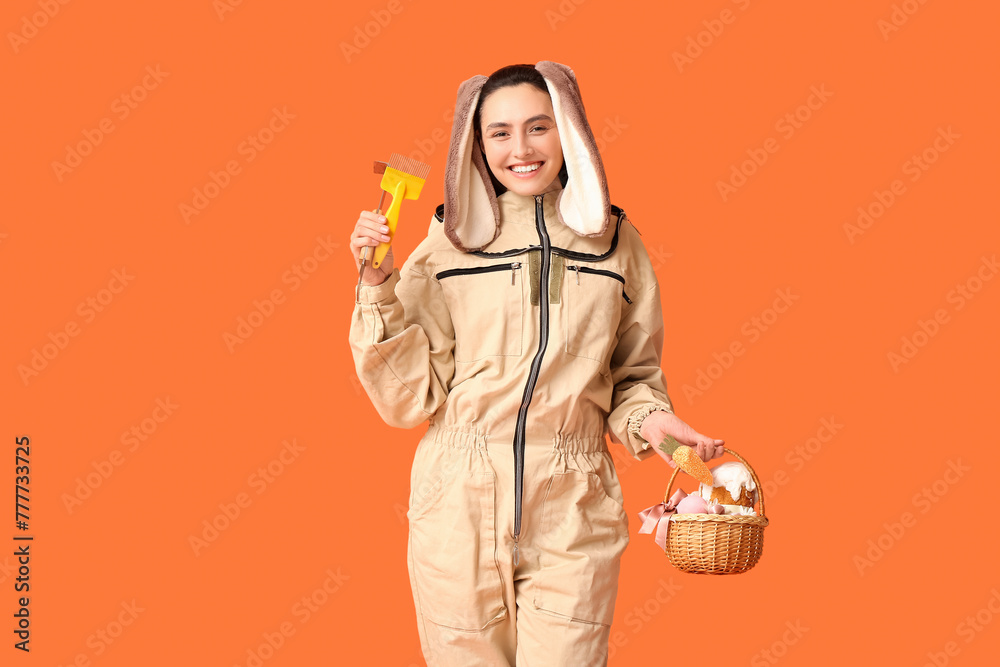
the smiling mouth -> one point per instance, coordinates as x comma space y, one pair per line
525, 169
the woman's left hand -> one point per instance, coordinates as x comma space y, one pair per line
658, 425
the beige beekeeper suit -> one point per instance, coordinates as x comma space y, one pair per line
524, 329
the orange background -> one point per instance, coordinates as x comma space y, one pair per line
337, 506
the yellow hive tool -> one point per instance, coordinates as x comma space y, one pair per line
403, 178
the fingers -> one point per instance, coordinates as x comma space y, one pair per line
706, 448
720, 448
377, 232
357, 243
370, 230
709, 448
713, 448
371, 217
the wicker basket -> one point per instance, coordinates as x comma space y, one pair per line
716, 543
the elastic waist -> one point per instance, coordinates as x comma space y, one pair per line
460, 438
575, 444
472, 437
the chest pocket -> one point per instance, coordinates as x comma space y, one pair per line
487, 309
594, 302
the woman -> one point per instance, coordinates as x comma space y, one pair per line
526, 327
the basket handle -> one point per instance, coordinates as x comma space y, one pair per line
753, 474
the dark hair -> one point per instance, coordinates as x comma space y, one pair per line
511, 75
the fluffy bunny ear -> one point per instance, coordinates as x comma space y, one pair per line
584, 205
471, 213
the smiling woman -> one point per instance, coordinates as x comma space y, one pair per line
527, 327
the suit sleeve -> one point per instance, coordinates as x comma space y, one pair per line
402, 340
639, 382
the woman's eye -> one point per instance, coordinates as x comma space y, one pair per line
539, 127
498, 134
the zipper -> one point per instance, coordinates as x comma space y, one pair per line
536, 365
600, 272
512, 267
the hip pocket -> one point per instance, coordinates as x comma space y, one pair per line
456, 578
582, 534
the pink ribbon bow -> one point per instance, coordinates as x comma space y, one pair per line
658, 517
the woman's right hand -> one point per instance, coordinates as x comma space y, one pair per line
370, 231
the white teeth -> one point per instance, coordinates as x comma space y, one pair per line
526, 169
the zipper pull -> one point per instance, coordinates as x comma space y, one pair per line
517, 555
577, 269
513, 267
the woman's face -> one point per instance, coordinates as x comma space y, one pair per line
521, 140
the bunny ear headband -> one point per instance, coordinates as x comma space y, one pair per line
471, 213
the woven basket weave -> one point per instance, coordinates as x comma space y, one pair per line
716, 543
